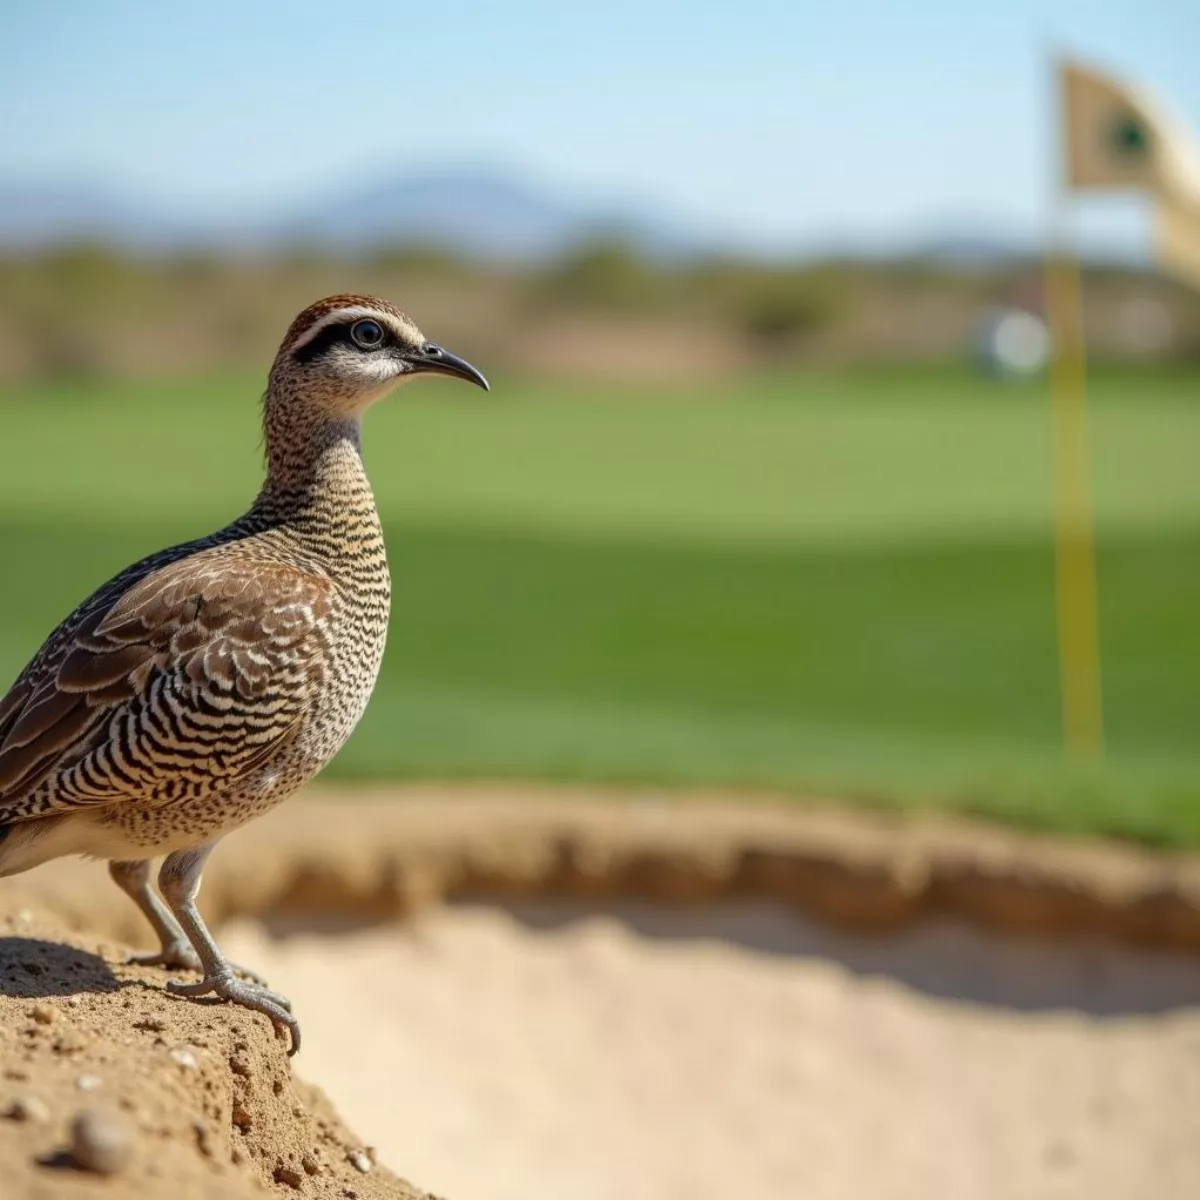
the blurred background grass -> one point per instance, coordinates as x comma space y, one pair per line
756, 500
836, 581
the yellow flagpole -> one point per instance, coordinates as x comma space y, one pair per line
1074, 522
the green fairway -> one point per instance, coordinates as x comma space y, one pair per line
830, 582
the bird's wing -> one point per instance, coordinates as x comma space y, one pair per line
190, 677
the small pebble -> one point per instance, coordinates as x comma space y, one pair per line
184, 1057
204, 1141
88, 1083
310, 1165
28, 1108
69, 1041
100, 1142
289, 1176
43, 1014
359, 1160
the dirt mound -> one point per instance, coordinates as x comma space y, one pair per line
872, 1012
103, 1073
380, 853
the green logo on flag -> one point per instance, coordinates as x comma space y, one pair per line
1129, 137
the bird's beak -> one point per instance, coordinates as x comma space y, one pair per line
432, 359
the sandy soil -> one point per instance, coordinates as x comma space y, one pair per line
545, 1057
183, 1100
779, 1001
383, 852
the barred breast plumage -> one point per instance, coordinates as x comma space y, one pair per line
206, 683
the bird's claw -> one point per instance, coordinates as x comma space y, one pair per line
174, 956
249, 995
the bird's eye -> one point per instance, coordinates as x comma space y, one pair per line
367, 334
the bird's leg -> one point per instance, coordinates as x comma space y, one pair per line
179, 880
133, 878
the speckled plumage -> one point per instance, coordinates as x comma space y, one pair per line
206, 683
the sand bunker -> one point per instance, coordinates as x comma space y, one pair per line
782, 1001
540, 1054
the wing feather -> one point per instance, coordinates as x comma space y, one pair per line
201, 666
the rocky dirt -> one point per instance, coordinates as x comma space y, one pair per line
110, 1087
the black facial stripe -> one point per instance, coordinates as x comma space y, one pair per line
336, 335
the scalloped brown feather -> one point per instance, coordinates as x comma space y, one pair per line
212, 629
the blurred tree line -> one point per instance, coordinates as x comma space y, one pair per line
87, 310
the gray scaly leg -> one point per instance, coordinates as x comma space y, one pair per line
179, 880
133, 878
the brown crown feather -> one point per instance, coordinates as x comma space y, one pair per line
314, 312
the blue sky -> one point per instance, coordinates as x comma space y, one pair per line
771, 122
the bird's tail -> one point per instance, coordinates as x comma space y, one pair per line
5, 836
26, 844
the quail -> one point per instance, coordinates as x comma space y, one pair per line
206, 683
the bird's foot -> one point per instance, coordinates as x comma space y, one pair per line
249, 995
174, 956
256, 980
179, 956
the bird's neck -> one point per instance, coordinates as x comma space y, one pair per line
315, 474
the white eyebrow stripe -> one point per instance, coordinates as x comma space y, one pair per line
336, 317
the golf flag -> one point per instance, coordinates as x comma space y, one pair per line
1179, 239
1112, 137
1119, 137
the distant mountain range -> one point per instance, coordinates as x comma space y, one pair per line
44, 214
476, 213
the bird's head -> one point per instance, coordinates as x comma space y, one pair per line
345, 352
